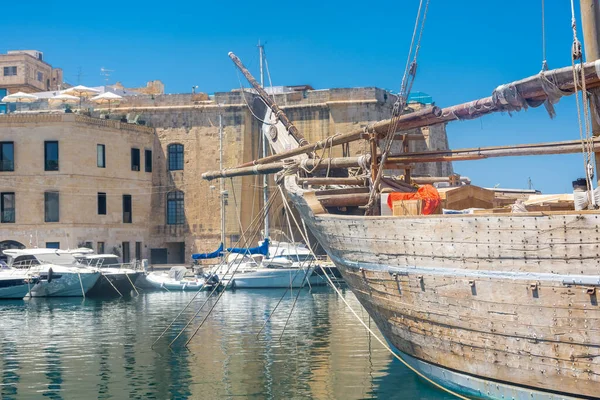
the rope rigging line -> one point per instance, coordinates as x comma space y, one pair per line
239, 262
408, 79
585, 130
243, 93
253, 226
304, 235
544, 62
212, 274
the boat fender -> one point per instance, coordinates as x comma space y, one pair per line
50, 275
184, 285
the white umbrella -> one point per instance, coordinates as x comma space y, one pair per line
107, 97
81, 92
20, 97
63, 99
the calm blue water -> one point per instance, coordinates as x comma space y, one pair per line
78, 349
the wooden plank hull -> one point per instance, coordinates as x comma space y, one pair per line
508, 300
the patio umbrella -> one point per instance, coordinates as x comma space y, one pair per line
63, 99
107, 98
20, 97
81, 92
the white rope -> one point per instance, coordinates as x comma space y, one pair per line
132, 285
407, 82
585, 134
361, 321
81, 285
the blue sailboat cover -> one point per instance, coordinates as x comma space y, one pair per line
262, 249
206, 256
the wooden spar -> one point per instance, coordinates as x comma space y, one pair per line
271, 168
344, 200
590, 24
333, 181
407, 121
529, 89
422, 180
566, 147
265, 97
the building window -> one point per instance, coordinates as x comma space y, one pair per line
148, 160
135, 159
175, 152
101, 156
127, 209
88, 245
7, 207
7, 156
100, 247
51, 207
126, 257
51, 156
10, 71
175, 213
40, 76
53, 245
101, 203
138, 250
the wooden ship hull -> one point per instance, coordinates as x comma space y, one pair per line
491, 305
496, 306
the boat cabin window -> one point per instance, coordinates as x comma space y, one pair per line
25, 261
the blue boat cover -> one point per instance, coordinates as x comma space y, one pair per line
262, 249
205, 256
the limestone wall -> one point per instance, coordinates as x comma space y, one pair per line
78, 181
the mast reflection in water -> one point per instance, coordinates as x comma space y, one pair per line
74, 348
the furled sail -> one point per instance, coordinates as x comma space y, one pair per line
262, 249
205, 256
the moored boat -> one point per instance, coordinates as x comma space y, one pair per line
498, 303
116, 279
15, 283
176, 279
60, 273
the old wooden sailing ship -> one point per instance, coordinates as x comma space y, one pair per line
493, 304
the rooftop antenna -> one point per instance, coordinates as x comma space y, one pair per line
79, 75
106, 73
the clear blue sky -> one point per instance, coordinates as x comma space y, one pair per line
469, 48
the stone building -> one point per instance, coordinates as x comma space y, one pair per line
175, 212
68, 180
26, 71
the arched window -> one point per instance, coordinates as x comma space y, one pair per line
175, 211
175, 152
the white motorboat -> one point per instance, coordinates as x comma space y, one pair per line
14, 283
60, 273
117, 279
176, 279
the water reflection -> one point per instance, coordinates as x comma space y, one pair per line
74, 348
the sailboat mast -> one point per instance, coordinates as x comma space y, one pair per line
222, 183
261, 52
590, 23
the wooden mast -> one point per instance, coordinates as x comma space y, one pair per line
265, 97
590, 23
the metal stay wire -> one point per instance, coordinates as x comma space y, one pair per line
201, 287
360, 320
265, 210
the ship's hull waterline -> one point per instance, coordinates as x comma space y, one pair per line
507, 300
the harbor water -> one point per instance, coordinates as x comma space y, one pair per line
74, 348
